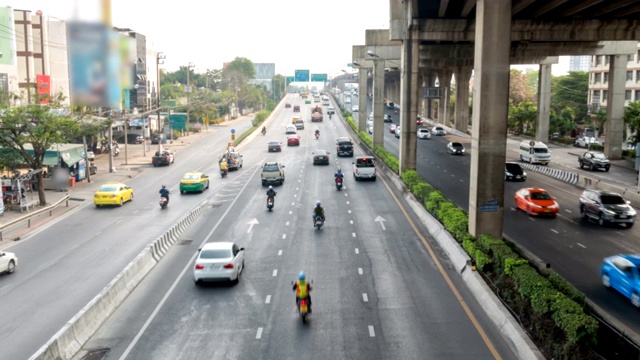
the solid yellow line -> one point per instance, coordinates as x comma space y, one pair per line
473, 319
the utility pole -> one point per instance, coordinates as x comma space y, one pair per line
189, 67
159, 60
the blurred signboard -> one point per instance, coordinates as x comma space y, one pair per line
319, 77
290, 79
302, 75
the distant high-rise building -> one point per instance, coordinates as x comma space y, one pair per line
580, 63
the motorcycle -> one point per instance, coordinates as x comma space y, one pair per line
303, 309
319, 222
116, 152
339, 183
264, 132
317, 136
329, 116
270, 203
163, 202
223, 173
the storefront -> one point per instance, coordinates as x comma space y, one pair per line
67, 157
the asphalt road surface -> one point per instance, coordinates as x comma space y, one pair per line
573, 247
377, 291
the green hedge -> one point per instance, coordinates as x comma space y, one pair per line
596, 147
629, 153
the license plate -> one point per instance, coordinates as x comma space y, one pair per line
321, 157
546, 210
517, 176
623, 216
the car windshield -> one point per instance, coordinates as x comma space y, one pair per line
612, 200
540, 196
215, 254
191, 177
365, 163
321, 152
108, 188
541, 150
274, 143
456, 145
514, 168
439, 128
599, 156
270, 167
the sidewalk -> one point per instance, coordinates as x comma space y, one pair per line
83, 191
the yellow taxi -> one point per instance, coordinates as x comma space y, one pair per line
194, 182
113, 194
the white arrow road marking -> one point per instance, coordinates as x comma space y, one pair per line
251, 223
381, 220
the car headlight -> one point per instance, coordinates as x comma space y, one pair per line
524, 173
537, 206
554, 206
609, 212
509, 174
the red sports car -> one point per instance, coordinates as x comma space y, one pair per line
293, 140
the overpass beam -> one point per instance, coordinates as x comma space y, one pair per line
378, 102
490, 110
614, 125
463, 75
409, 103
362, 99
544, 102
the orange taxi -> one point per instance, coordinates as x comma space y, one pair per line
536, 201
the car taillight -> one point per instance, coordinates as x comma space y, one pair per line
356, 171
228, 266
199, 266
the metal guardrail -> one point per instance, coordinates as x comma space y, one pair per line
33, 215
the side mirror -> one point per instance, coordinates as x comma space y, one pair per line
282, 165
199, 249
241, 249
628, 202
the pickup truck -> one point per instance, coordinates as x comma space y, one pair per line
364, 168
316, 114
272, 173
166, 158
344, 147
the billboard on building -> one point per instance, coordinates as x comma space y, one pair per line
95, 64
43, 83
265, 70
8, 40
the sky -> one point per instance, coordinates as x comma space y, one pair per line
294, 34
305, 35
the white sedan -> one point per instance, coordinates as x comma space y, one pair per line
219, 261
586, 141
424, 133
355, 108
8, 262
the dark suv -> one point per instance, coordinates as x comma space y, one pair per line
606, 207
594, 160
344, 147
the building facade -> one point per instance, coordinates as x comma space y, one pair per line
580, 63
8, 58
599, 81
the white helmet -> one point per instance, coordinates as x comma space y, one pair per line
270, 187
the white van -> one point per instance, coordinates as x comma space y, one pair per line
534, 152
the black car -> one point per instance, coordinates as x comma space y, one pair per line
514, 172
594, 160
320, 157
455, 148
344, 147
606, 207
155, 138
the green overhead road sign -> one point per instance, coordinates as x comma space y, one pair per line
302, 75
318, 77
290, 79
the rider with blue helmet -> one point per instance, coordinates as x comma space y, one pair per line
302, 289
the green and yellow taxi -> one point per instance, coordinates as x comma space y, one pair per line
194, 182
307, 101
113, 194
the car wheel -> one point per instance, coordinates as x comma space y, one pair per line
521, 159
629, 225
606, 169
591, 167
601, 220
581, 165
606, 281
181, 192
12, 267
131, 198
529, 211
583, 212
121, 202
635, 299
264, 183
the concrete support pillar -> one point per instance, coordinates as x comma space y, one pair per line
409, 101
614, 125
378, 102
544, 102
490, 110
463, 75
362, 99
444, 77
430, 82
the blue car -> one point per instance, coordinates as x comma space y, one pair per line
621, 273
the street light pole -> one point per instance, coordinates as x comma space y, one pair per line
189, 67
159, 60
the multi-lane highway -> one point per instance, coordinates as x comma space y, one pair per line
66, 265
377, 292
573, 247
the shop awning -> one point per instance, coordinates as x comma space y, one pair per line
50, 159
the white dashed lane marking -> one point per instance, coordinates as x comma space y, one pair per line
275, 272
268, 299
351, 222
259, 333
357, 251
554, 230
353, 234
284, 236
359, 271
279, 252
287, 223
365, 298
582, 246
372, 332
